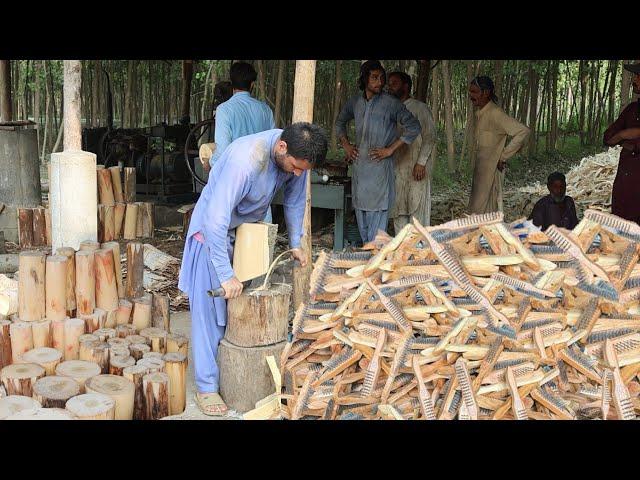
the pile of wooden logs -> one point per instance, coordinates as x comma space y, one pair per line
34, 227
84, 339
472, 319
119, 215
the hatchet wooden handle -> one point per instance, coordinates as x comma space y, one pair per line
216, 292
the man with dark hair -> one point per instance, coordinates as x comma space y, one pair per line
376, 115
240, 189
625, 131
493, 126
242, 114
413, 163
557, 208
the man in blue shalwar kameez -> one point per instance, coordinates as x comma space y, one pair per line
245, 179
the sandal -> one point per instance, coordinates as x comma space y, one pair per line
211, 404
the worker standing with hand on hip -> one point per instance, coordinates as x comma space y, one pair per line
241, 186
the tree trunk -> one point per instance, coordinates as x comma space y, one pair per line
6, 106
554, 106
128, 102
95, 93
156, 395
72, 105
422, 83
470, 130
31, 286
497, 74
613, 68
304, 88
19, 379
448, 116
533, 108
336, 103
47, 117
435, 96
36, 99
187, 75
279, 85
120, 389
261, 79
582, 76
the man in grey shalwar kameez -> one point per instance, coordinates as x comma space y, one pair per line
377, 116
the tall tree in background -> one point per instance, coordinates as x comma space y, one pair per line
187, 76
533, 107
336, 103
448, 115
422, 83
497, 81
554, 105
72, 105
6, 104
282, 65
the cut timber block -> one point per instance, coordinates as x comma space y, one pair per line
19, 378
92, 406
54, 391
47, 358
259, 318
120, 389
245, 376
129, 184
17, 403
39, 227
43, 414
31, 286
78, 370
70, 253
25, 227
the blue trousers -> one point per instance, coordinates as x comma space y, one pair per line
369, 222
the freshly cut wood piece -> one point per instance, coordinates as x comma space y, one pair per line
85, 282
47, 358
56, 287
177, 343
156, 387
145, 223
9, 301
73, 328
119, 212
25, 227
103, 334
176, 368
129, 184
141, 313
89, 245
54, 391
87, 337
156, 338
161, 317
79, 370
125, 330
152, 364
96, 352
120, 389
31, 286
105, 188
42, 414
92, 406
17, 403
106, 223
116, 183
139, 220
48, 230
21, 340
119, 350
39, 227
123, 314
130, 221
115, 249
138, 350
70, 253
117, 364
106, 284
131, 339
135, 373
135, 270
57, 335
153, 355
18, 379
41, 332
118, 341
110, 319
5, 343
94, 321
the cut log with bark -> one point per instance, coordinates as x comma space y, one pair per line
129, 184
48, 231
156, 338
124, 330
103, 334
177, 343
31, 286
131, 339
259, 318
141, 313
57, 335
176, 368
54, 391
138, 350
130, 222
92, 406
73, 328
119, 350
106, 223
156, 387
119, 212
5, 343
41, 333
152, 364
47, 358
13, 404
146, 224
79, 370
25, 227
110, 319
154, 355
92, 320
119, 363
105, 188
9, 300
70, 287
135, 270
106, 283
245, 377
117, 263
85, 282
120, 389
21, 339
123, 314
56, 287
135, 374
43, 414
89, 245
39, 227
116, 183
161, 316
96, 352
19, 378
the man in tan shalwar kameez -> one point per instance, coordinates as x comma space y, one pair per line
414, 162
493, 126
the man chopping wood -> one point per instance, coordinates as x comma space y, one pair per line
414, 163
243, 182
376, 115
493, 126
625, 131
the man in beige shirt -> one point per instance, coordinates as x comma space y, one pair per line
414, 162
493, 126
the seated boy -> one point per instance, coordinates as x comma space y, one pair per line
557, 208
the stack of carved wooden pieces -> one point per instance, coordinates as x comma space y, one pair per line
472, 319
119, 215
75, 335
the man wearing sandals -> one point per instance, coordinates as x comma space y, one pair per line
243, 182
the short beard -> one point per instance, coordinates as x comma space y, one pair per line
558, 199
280, 160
